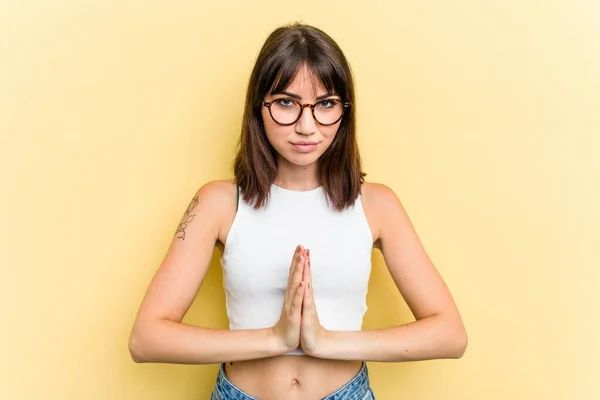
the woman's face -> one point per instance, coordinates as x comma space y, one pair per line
302, 143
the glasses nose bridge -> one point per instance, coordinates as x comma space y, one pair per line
312, 110
313, 118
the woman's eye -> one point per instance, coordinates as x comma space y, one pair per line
285, 102
327, 103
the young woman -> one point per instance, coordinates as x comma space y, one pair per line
296, 228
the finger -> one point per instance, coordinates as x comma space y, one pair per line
293, 263
307, 276
299, 269
297, 300
296, 278
307, 303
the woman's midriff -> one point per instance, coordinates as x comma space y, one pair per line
291, 377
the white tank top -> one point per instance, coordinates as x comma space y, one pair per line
260, 247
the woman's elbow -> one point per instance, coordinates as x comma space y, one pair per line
137, 347
459, 342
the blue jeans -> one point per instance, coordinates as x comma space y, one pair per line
358, 388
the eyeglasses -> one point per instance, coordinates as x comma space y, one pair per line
286, 111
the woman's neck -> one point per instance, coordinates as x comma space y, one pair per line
297, 177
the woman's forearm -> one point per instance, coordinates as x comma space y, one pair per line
166, 341
427, 339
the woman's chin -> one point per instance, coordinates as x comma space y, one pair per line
302, 159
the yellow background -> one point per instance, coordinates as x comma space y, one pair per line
482, 115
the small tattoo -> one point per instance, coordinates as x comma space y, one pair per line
186, 219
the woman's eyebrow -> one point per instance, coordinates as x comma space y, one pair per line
289, 94
295, 96
324, 96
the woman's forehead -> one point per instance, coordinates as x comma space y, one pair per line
306, 84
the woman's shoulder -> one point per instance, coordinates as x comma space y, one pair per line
217, 194
380, 204
218, 187
377, 194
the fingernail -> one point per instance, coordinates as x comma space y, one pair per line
298, 249
308, 253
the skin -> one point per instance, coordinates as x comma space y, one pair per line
255, 360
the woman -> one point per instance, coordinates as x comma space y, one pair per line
296, 229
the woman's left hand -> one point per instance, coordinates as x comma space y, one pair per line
312, 334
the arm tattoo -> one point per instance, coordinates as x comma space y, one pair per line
186, 219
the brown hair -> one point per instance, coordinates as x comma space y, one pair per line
287, 49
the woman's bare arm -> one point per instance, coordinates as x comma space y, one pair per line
438, 331
158, 335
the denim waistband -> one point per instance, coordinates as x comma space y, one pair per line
355, 389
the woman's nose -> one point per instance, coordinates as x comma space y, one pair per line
306, 125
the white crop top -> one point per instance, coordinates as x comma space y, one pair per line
259, 251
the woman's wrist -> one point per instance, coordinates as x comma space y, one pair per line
278, 344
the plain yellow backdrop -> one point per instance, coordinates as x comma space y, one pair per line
482, 115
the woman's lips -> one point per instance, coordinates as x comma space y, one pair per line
304, 147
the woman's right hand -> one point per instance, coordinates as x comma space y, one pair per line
287, 329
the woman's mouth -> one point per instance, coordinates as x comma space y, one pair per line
304, 147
